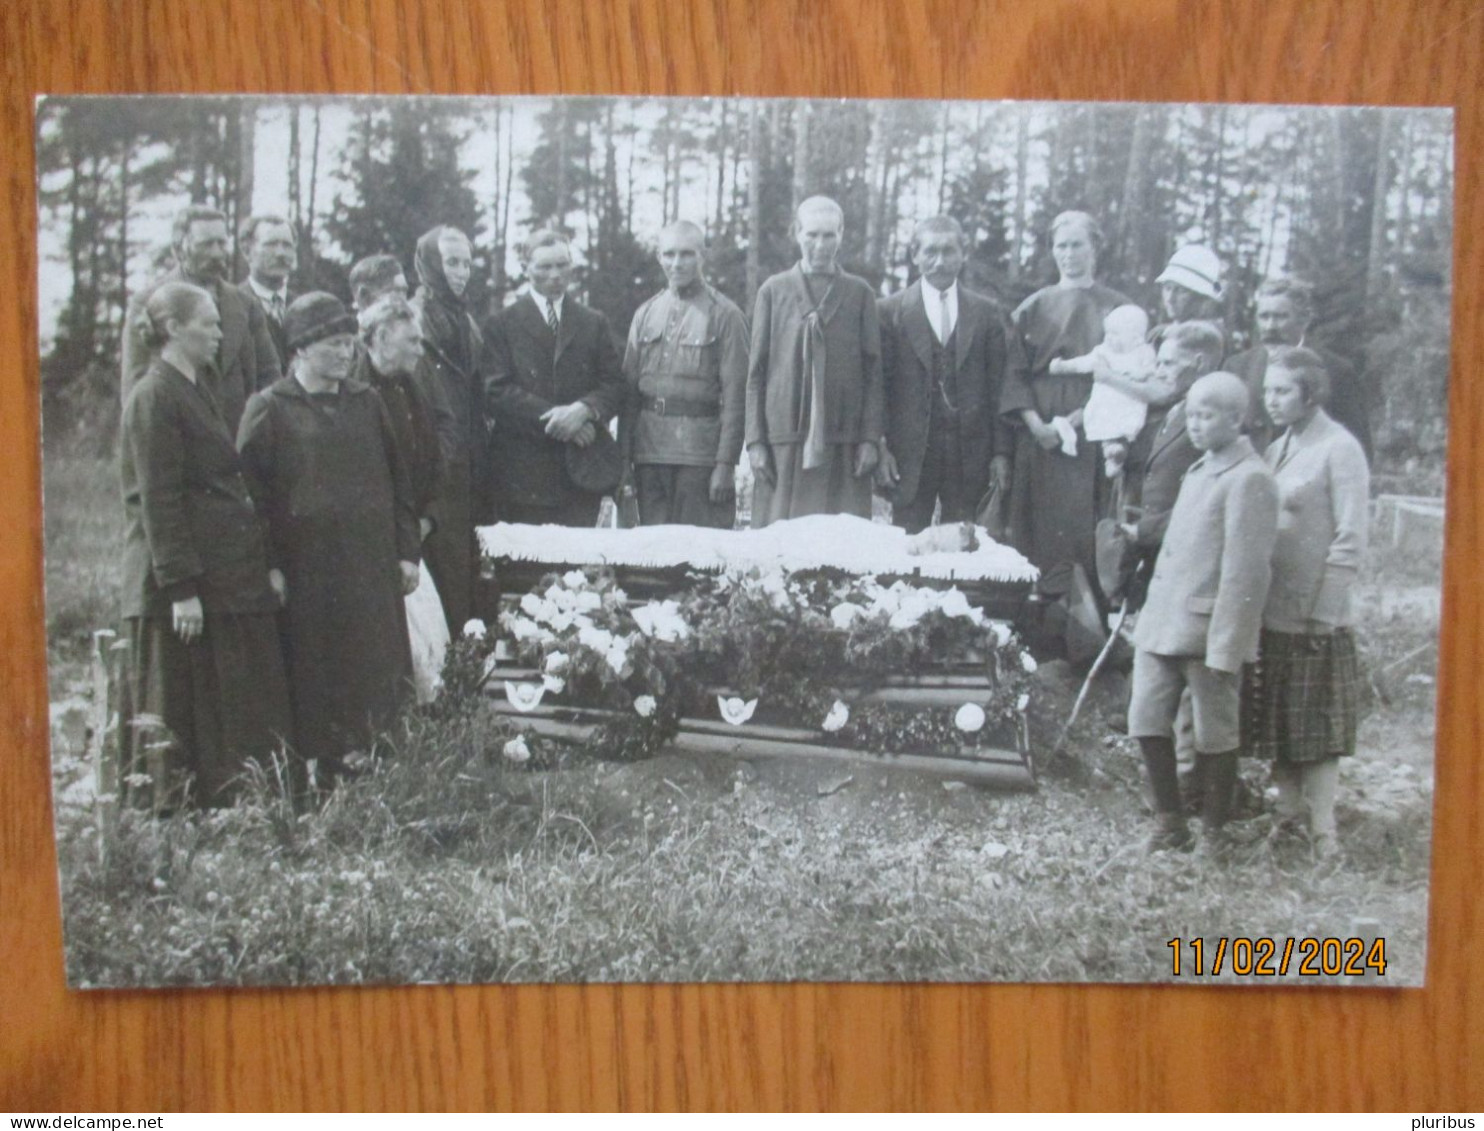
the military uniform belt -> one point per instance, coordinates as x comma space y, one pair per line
681, 406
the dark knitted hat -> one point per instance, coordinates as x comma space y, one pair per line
314, 317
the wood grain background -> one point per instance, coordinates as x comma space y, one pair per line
725, 1046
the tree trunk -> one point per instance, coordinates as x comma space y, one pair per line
314, 182
802, 114
754, 199
943, 163
296, 211
721, 172
1022, 160
875, 159
1381, 186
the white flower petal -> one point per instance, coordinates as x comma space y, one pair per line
970, 718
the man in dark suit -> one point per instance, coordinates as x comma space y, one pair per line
245, 359
1162, 452
1285, 308
272, 252
945, 351
553, 379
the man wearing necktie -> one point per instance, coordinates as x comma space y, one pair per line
814, 393
272, 253
945, 352
553, 378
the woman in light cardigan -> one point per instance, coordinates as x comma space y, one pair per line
1302, 696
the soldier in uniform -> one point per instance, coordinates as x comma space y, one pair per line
686, 366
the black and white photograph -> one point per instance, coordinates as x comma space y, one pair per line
631, 539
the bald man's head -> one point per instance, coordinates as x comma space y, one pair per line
1215, 409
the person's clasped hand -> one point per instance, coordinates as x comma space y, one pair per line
566, 422
188, 619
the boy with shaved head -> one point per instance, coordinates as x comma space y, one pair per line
1201, 618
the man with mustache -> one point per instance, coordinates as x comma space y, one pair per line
272, 252
245, 360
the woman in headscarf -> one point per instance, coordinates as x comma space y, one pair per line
205, 693
452, 343
1303, 695
1055, 487
322, 458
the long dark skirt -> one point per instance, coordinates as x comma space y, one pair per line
1301, 699
831, 489
452, 552
201, 712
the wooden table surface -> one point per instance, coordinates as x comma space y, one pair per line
808, 1046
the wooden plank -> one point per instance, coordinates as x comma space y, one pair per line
1009, 773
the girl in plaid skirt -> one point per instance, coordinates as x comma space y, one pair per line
1301, 698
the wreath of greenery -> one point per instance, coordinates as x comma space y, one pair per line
801, 650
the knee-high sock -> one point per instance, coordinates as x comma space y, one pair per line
1321, 782
1219, 772
1159, 761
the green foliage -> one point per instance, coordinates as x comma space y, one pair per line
405, 178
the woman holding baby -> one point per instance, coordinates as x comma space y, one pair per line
1054, 504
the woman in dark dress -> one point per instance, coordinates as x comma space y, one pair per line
452, 344
205, 692
1054, 497
343, 537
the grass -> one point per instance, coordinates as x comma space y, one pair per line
446, 863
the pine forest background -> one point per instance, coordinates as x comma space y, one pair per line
1359, 200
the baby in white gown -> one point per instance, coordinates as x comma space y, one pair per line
1117, 408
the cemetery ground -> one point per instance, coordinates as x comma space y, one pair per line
444, 862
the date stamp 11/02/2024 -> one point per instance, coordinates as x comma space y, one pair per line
1265, 957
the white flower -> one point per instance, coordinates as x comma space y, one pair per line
734, 710
516, 749
970, 718
1001, 632
662, 620
588, 601
523, 629
645, 705
839, 715
1027, 661
556, 663
1023, 702
598, 639
531, 605
574, 579
553, 683
846, 614
955, 604
475, 629
524, 696
617, 656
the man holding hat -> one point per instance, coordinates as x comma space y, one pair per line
343, 541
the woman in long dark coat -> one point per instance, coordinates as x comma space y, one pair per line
342, 533
1054, 497
205, 692
452, 344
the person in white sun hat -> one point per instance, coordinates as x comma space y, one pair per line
1190, 290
